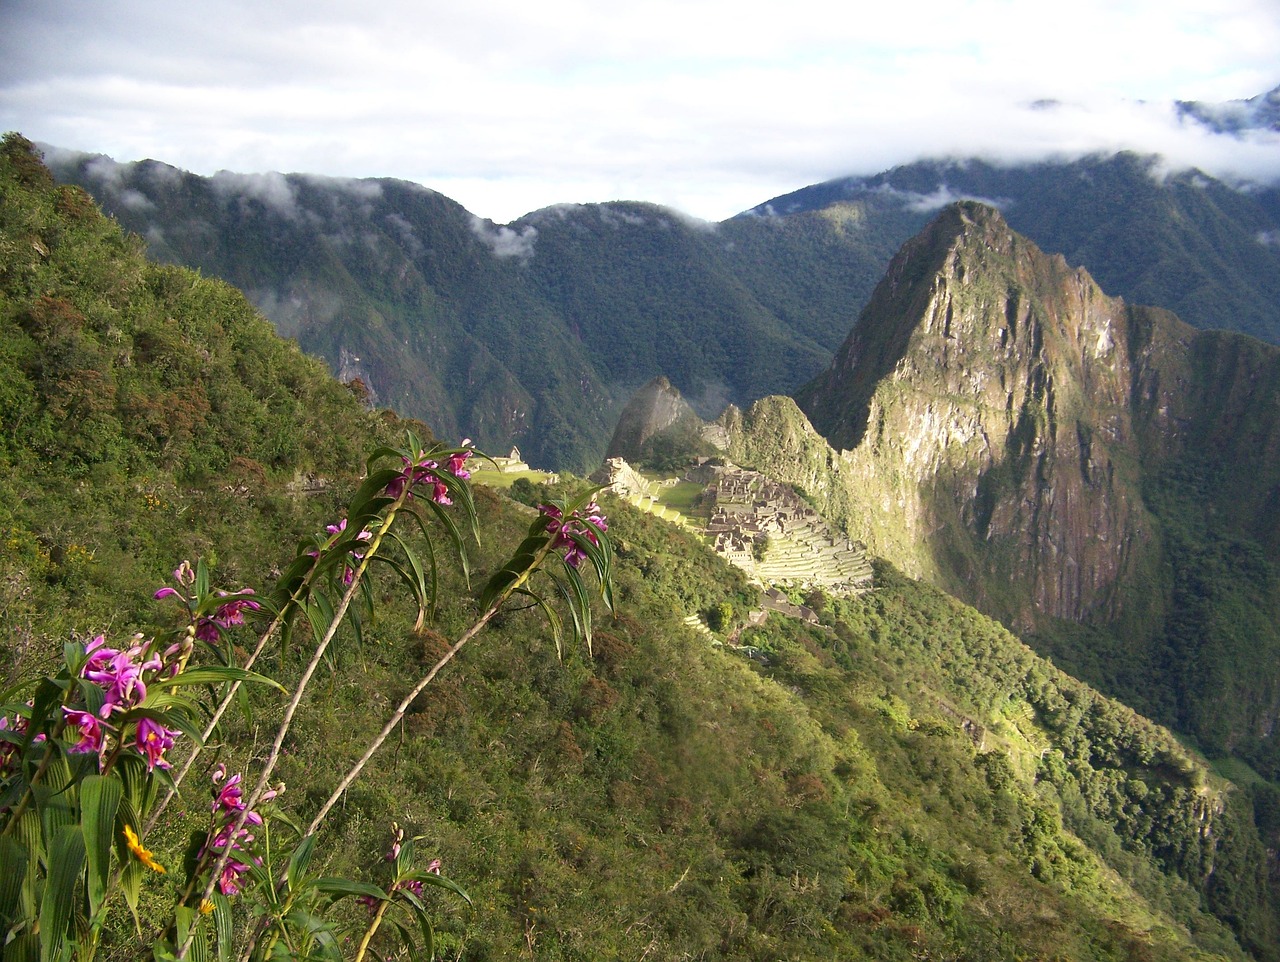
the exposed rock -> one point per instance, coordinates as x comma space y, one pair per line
350, 368
654, 408
995, 413
622, 479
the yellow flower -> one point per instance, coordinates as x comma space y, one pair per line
140, 853
206, 906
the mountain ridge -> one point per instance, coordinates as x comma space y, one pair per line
552, 322
906, 779
1001, 427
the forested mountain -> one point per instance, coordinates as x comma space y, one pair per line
905, 780
1098, 474
536, 333
1181, 240
1236, 117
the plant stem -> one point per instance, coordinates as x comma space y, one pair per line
423, 682
373, 928
291, 709
221, 709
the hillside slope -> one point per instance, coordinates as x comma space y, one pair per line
907, 780
1183, 241
536, 333
1058, 458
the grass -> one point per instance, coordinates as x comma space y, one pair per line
504, 479
680, 496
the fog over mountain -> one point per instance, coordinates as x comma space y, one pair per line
706, 108
536, 332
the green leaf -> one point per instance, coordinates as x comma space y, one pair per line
500, 582
48, 697
202, 578
553, 618
404, 857
132, 872
299, 860
223, 932
100, 797
246, 706
342, 888
579, 604
428, 950
413, 581
440, 881
13, 873
140, 787
57, 805
66, 863
369, 498
24, 948
215, 674
187, 920
319, 613
30, 837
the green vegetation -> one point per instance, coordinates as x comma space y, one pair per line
905, 781
1186, 242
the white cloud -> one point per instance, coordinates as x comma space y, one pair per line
707, 106
940, 198
505, 242
273, 190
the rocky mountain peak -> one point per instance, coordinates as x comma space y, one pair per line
654, 408
987, 387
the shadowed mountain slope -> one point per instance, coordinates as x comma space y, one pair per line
1057, 457
537, 332
904, 780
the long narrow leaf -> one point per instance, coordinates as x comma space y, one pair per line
215, 674
419, 572
575, 609
131, 875
99, 802
433, 590
580, 603
66, 863
455, 536
24, 948
31, 837
370, 496
341, 887
188, 919
55, 803
299, 860
48, 696
499, 583
427, 952
223, 933
413, 581
319, 613
13, 872
440, 881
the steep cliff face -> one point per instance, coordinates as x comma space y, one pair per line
985, 397
1001, 427
654, 408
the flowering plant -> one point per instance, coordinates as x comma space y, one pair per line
91, 757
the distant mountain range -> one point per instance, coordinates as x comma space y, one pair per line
904, 780
1236, 116
537, 332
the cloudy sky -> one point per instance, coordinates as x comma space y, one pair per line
709, 106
